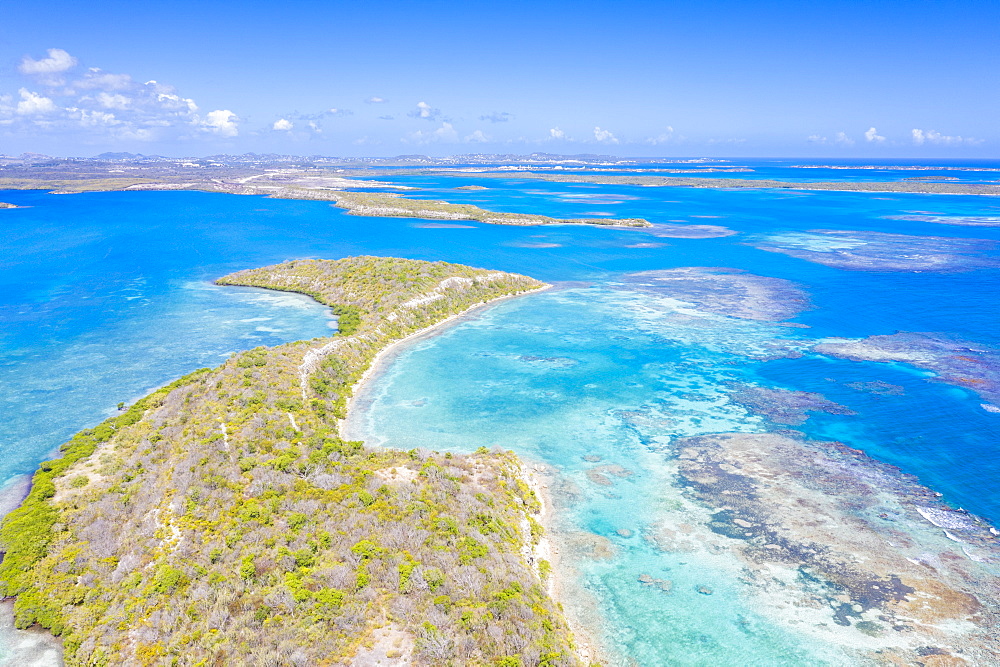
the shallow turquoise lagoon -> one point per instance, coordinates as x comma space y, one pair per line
594, 380
106, 295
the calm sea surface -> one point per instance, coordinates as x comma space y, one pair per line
104, 296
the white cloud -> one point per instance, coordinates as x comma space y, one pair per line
33, 103
556, 133
604, 136
375, 100
872, 135
221, 122
115, 101
95, 118
843, 139
425, 111
662, 138
136, 134
477, 137
97, 79
282, 125
58, 61
840, 138
314, 127
176, 102
934, 137
444, 134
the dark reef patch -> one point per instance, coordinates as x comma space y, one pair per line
865, 545
877, 387
552, 362
784, 406
966, 365
724, 291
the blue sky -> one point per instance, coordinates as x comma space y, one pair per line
726, 78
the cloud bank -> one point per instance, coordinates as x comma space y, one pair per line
93, 105
920, 137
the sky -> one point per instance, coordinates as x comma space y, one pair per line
376, 78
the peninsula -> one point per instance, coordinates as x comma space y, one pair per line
223, 520
393, 205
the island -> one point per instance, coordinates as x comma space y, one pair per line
223, 519
393, 205
6, 205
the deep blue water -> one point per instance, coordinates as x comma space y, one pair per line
106, 295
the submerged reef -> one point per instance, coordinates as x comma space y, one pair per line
441, 225
844, 548
877, 251
223, 520
877, 387
784, 406
645, 245
959, 220
723, 291
677, 231
966, 365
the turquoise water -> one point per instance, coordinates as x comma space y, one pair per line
106, 295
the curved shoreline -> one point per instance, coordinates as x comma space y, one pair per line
536, 474
388, 354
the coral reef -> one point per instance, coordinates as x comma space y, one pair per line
878, 251
723, 291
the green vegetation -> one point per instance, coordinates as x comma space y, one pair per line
394, 205
223, 520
